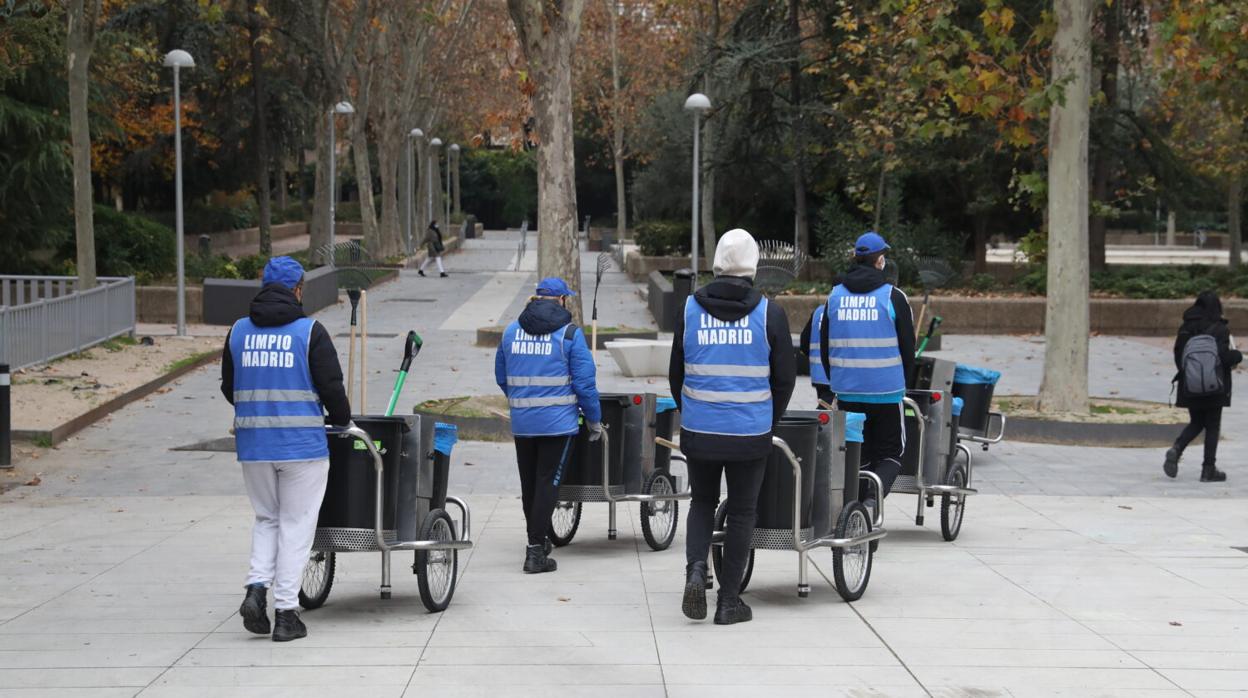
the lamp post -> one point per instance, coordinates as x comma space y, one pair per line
699, 104
451, 151
339, 108
433, 161
412, 136
455, 195
178, 59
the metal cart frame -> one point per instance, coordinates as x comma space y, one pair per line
953, 491
853, 534
444, 538
984, 438
658, 490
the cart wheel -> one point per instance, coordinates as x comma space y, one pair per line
564, 521
318, 579
717, 551
851, 567
953, 506
659, 519
437, 569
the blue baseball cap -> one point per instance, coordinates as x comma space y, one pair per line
870, 242
553, 286
284, 271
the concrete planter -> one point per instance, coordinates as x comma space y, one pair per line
474, 428
226, 300
491, 336
641, 357
159, 304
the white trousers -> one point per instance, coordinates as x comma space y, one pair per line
287, 499
437, 259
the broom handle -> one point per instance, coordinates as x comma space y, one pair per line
394, 397
351, 363
363, 352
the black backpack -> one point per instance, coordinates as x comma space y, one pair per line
1201, 366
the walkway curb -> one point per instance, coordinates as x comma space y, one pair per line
1043, 431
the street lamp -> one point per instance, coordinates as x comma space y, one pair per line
455, 198
179, 59
433, 161
451, 151
339, 108
699, 104
412, 136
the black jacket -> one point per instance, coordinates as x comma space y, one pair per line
275, 306
730, 298
865, 279
1205, 317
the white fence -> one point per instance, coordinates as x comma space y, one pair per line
45, 317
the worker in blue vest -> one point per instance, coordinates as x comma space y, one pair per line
809, 343
867, 349
544, 367
281, 373
732, 373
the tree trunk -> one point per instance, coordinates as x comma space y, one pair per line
1066, 322
801, 217
617, 127
303, 189
318, 227
548, 32
879, 197
389, 150
981, 244
455, 178
1234, 206
283, 190
83, 16
707, 204
1171, 223
260, 133
422, 192
364, 180
1104, 154
435, 183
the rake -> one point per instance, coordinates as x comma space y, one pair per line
934, 272
779, 263
604, 263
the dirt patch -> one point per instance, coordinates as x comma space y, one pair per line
49, 395
470, 406
1102, 411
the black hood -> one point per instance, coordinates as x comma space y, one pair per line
543, 317
1207, 308
862, 278
729, 298
275, 306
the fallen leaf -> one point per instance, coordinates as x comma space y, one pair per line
1176, 624
1123, 506
565, 598
34, 481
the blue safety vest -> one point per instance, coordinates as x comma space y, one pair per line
862, 343
727, 388
818, 376
539, 383
277, 413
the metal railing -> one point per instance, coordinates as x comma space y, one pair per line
46, 317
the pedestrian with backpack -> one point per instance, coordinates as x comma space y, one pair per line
1205, 358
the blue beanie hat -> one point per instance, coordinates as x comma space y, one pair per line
284, 271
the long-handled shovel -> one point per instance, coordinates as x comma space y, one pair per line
363, 352
931, 329
353, 294
411, 348
604, 263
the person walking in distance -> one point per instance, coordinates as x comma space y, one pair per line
544, 367
867, 350
281, 373
732, 373
434, 246
1205, 357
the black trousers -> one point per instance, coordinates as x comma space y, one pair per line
883, 440
541, 461
745, 479
1208, 421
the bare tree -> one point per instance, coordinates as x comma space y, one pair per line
548, 31
260, 130
84, 16
1066, 321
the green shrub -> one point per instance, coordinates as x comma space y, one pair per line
983, 282
251, 266
293, 213
663, 238
1035, 281
127, 244
200, 267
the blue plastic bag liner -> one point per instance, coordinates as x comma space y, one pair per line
854, 422
444, 437
957, 406
664, 404
974, 374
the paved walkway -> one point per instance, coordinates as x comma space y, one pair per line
1080, 571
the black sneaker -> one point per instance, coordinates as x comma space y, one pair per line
1212, 474
421, 272
536, 561
732, 611
288, 626
254, 610
1171, 466
694, 602
443, 275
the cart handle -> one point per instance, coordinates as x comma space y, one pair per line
878, 484
921, 420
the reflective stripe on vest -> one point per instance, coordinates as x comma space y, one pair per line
539, 383
277, 414
862, 343
727, 387
818, 376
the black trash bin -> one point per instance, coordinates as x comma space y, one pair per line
350, 493
910, 458
775, 499
665, 423
585, 469
975, 386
